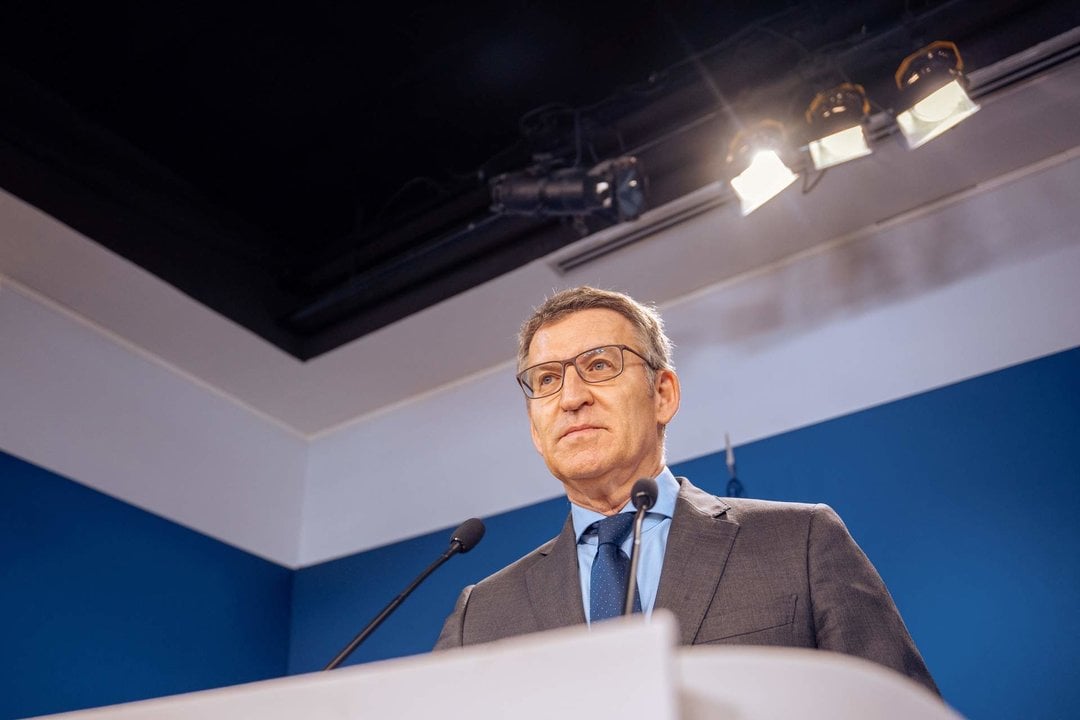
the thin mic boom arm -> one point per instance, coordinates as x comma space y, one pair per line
464, 539
635, 553
643, 496
363, 634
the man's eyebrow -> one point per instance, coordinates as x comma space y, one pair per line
568, 359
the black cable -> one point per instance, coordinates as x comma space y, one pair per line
817, 178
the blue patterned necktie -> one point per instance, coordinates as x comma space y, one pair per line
611, 569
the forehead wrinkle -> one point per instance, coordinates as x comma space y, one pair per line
621, 332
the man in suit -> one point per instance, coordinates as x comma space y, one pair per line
600, 388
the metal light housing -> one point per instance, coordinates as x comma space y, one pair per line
933, 87
614, 188
836, 119
756, 165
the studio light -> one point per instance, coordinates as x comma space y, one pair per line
836, 119
615, 188
934, 91
756, 166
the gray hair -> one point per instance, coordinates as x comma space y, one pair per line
648, 325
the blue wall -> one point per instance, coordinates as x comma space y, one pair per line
101, 602
334, 600
966, 498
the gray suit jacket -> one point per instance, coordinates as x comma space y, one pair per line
735, 571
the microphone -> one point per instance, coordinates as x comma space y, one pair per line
464, 539
643, 496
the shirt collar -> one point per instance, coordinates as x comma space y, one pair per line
668, 490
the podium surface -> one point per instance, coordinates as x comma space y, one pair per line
627, 667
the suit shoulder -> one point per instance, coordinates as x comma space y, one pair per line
750, 513
771, 512
753, 505
791, 519
705, 502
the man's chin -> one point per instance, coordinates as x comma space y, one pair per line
580, 472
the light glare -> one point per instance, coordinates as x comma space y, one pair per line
939, 105
935, 114
839, 147
766, 176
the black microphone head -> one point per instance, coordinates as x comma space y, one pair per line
644, 493
468, 534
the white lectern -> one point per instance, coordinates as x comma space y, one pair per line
623, 668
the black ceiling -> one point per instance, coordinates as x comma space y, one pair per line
316, 171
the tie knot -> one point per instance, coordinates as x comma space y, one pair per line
614, 528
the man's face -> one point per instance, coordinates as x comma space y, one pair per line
599, 438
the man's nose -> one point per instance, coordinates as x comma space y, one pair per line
575, 391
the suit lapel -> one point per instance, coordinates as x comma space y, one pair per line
554, 583
698, 546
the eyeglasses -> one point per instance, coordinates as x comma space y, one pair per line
593, 366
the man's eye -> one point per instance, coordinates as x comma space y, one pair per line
547, 379
599, 365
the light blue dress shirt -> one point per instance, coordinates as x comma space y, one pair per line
654, 535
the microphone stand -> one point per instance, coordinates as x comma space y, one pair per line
464, 539
363, 634
643, 496
635, 554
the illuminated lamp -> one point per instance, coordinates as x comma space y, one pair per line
836, 119
756, 166
933, 88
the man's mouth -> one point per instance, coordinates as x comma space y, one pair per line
577, 429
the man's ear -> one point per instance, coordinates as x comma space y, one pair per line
668, 396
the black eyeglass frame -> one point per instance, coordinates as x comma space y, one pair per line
520, 377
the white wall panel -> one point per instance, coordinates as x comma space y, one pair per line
77, 402
971, 287
452, 455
